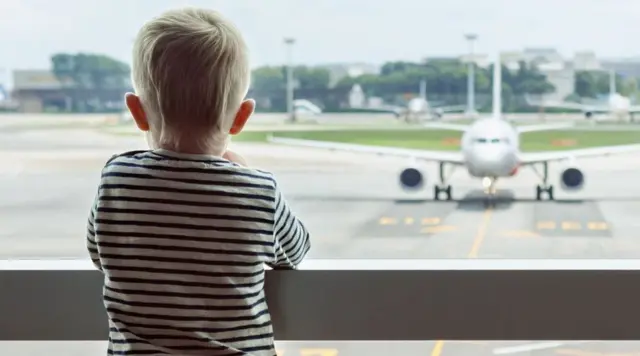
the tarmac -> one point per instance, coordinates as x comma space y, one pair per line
354, 208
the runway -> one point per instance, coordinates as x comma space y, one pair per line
351, 203
354, 208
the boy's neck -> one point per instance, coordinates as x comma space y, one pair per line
193, 150
192, 147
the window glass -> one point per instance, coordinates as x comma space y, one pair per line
355, 67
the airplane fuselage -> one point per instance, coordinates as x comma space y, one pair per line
619, 104
490, 148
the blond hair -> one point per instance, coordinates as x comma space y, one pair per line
191, 72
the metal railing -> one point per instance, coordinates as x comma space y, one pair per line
368, 300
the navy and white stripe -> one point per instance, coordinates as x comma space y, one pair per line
182, 241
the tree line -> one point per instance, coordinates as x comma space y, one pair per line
92, 80
446, 84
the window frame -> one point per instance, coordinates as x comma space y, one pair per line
393, 300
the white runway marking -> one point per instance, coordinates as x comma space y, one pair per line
533, 347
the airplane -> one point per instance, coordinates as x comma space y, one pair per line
490, 149
616, 103
306, 107
420, 107
5, 100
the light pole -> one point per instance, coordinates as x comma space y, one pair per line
471, 106
291, 113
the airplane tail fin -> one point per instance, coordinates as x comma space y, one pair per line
497, 88
612, 82
423, 89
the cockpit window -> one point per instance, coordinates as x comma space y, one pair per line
492, 140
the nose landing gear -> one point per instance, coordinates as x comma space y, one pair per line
489, 185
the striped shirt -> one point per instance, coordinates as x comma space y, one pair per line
182, 241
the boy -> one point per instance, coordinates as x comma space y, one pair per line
182, 231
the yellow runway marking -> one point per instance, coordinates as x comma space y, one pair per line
570, 225
546, 225
430, 221
388, 221
438, 228
408, 221
481, 233
318, 352
477, 242
437, 348
597, 226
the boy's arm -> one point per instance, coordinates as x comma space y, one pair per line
292, 241
91, 235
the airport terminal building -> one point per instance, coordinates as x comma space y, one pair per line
39, 91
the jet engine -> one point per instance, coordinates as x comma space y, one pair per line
411, 179
588, 114
572, 179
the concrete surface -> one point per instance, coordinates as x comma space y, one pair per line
354, 208
381, 348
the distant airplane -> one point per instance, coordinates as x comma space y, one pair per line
490, 149
306, 107
5, 100
615, 104
419, 107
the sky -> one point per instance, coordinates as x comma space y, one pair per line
371, 31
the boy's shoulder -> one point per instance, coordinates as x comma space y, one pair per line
152, 160
127, 154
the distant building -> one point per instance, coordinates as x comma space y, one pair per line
341, 70
512, 59
40, 90
562, 77
542, 55
34, 90
357, 99
629, 67
586, 60
548, 61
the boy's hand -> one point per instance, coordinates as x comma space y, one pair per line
235, 158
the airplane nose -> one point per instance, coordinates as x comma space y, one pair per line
493, 161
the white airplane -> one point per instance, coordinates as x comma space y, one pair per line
490, 149
616, 104
306, 107
5, 100
420, 107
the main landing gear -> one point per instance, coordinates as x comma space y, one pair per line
441, 188
545, 187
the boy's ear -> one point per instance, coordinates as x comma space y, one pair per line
135, 107
242, 116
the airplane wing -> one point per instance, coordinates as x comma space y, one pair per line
545, 127
541, 157
452, 108
568, 105
437, 156
634, 109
